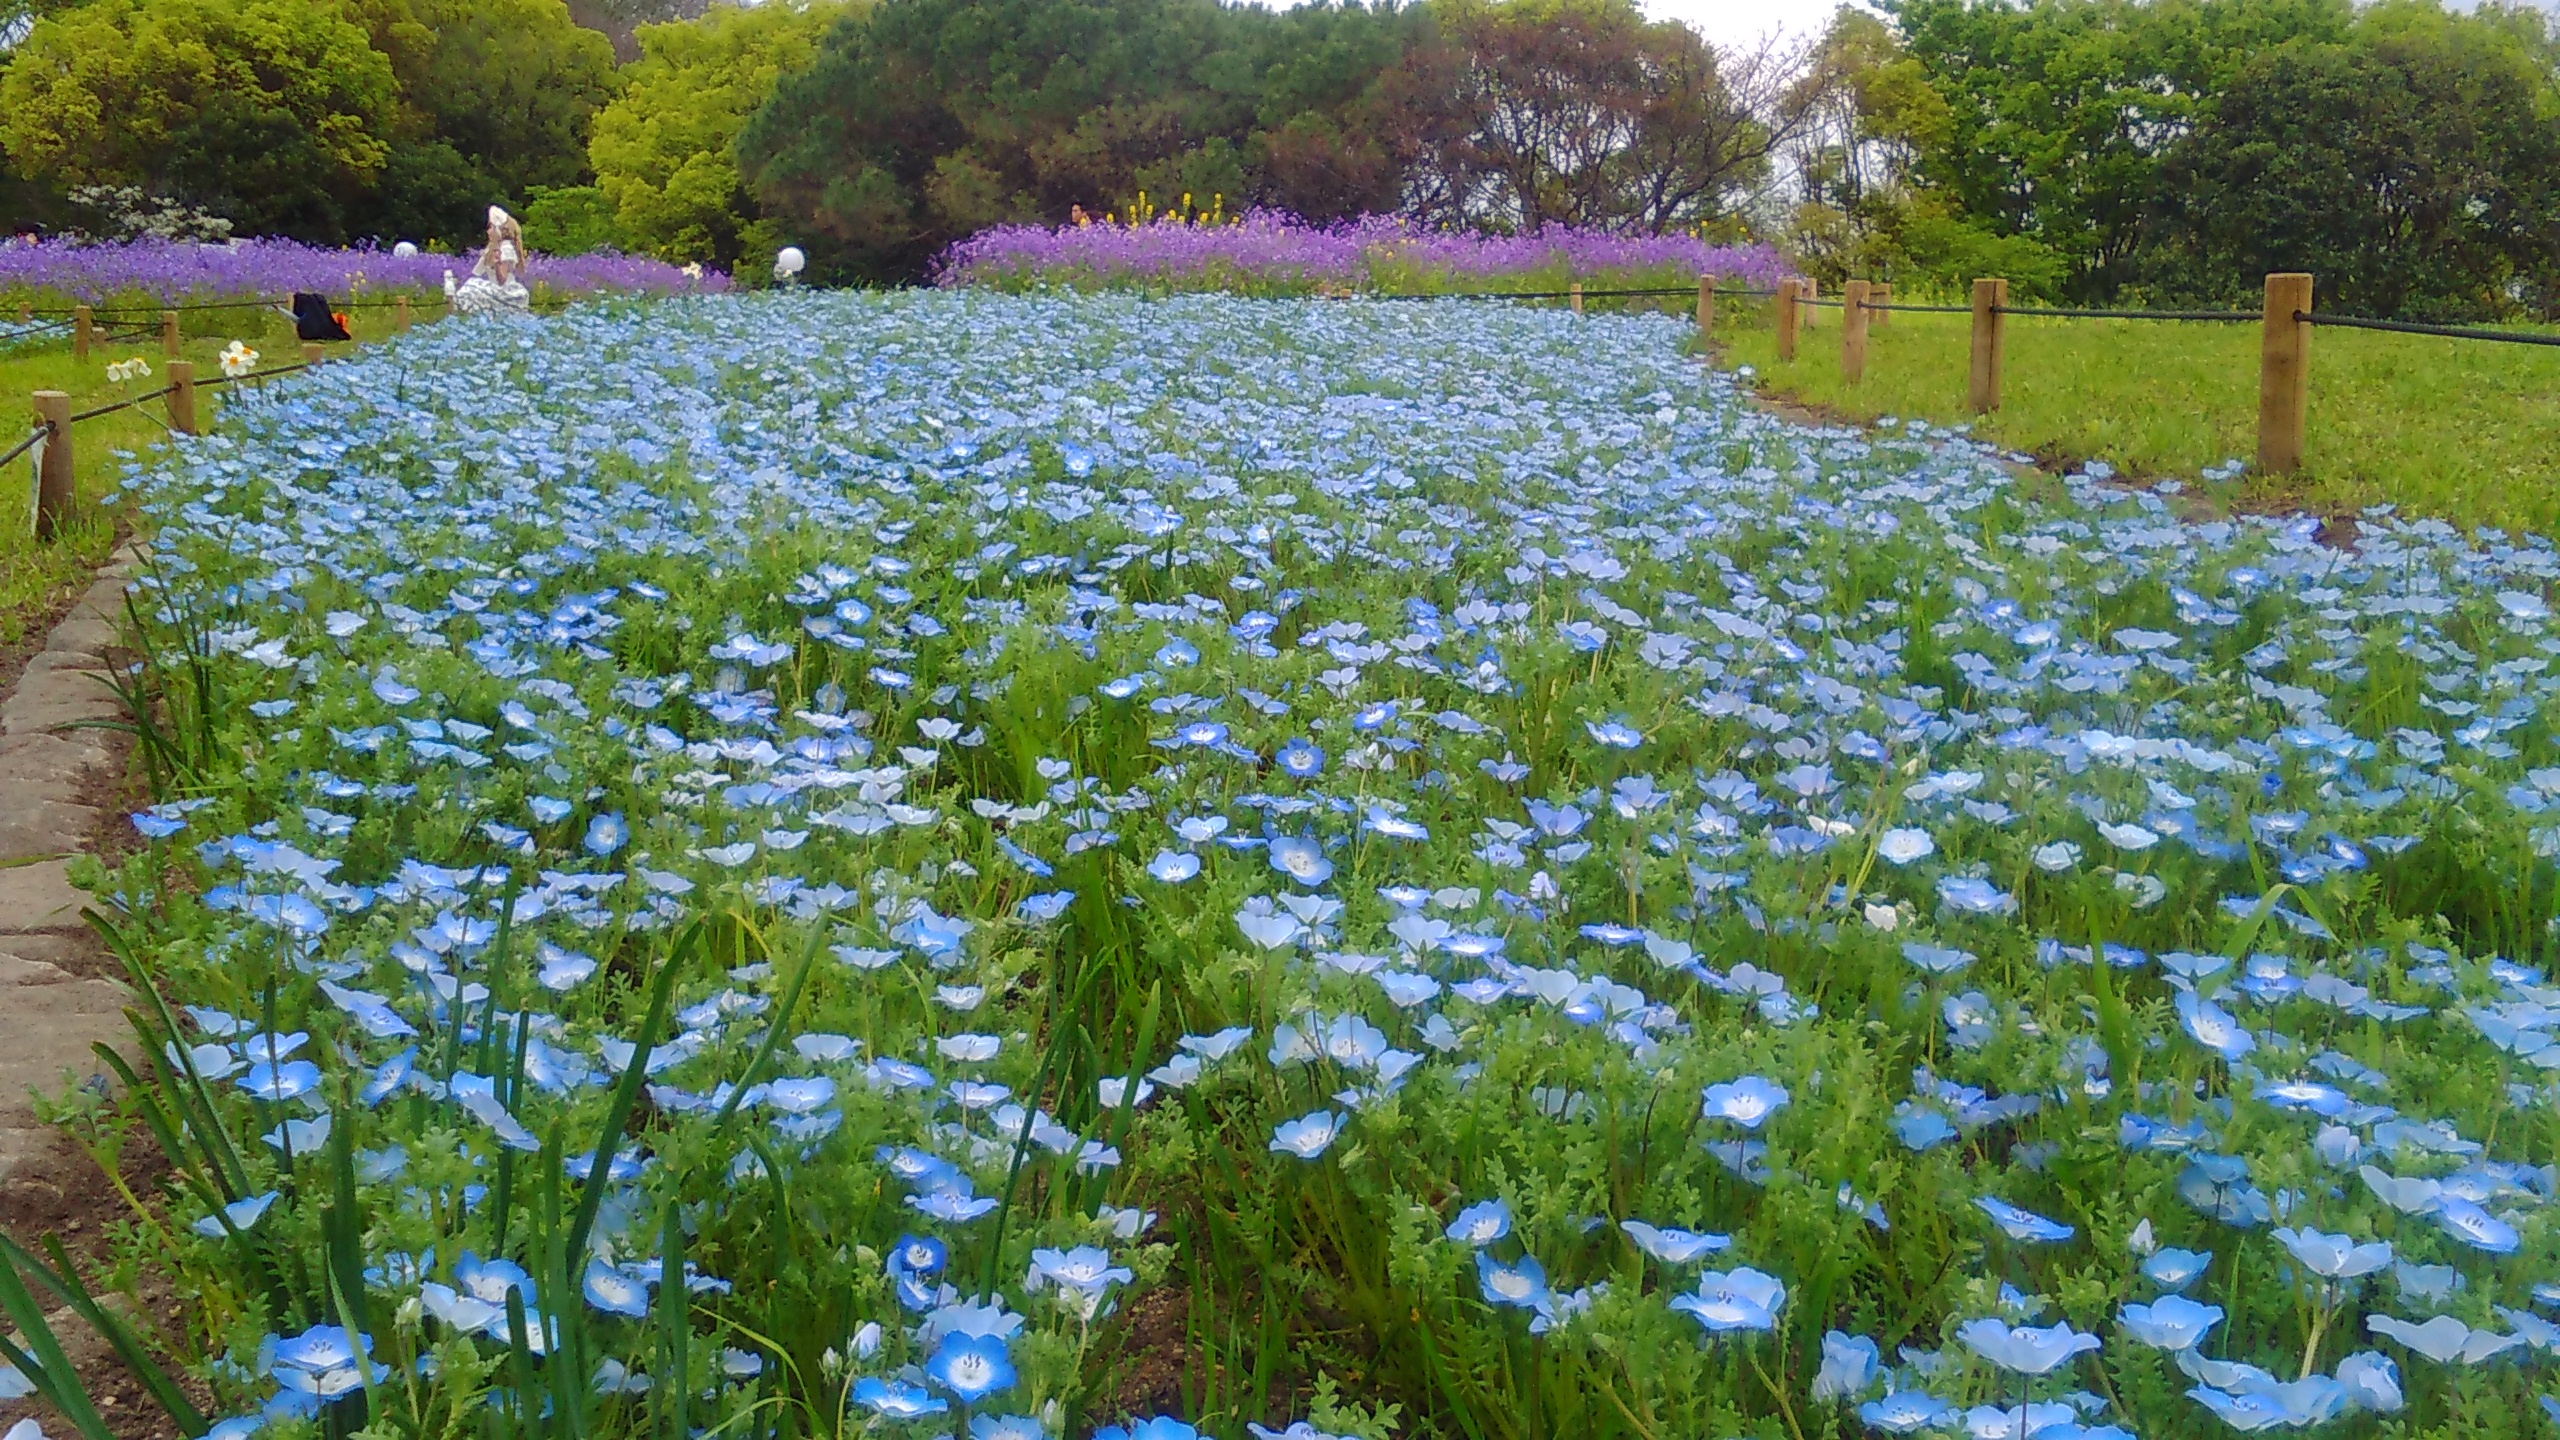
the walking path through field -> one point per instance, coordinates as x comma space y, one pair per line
59, 783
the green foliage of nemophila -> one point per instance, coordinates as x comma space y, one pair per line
2455, 429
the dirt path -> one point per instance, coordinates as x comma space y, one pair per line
63, 792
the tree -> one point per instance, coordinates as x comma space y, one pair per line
267, 112
495, 101
663, 150
1581, 112
2414, 170
2053, 114
929, 119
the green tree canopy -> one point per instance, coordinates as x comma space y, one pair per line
930, 119
270, 112
2413, 173
663, 149
495, 101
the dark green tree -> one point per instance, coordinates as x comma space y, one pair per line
929, 119
2414, 171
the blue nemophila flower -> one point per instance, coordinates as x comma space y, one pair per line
2444, 1339
2172, 1322
1850, 1365
238, 1215
1159, 1427
1521, 1283
1481, 1224
1301, 859
2333, 1257
891, 1400
2019, 1224
1673, 1246
605, 835
2024, 1349
1173, 866
1905, 845
2466, 1222
2213, 1027
1614, 734
1747, 1102
1301, 759
2176, 1269
1905, 1412
918, 1256
1936, 959
970, 1367
1966, 895
1738, 1299
615, 1291
1307, 1136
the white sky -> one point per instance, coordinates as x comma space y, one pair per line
1733, 23
1743, 23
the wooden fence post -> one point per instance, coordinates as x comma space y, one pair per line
1706, 308
169, 333
1788, 314
1880, 295
1853, 331
2284, 373
311, 352
1990, 298
53, 472
26, 311
400, 313
182, 397
82, 322
1574, 294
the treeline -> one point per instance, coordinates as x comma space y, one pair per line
2177, 150
2091, 150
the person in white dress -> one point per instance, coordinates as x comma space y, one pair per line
494, 287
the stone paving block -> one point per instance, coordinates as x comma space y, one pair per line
75, 953
39, 896
65, 766
86, 629
50, 1030
46, 700
19, 970
47, 827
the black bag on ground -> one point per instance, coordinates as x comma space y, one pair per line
312, 320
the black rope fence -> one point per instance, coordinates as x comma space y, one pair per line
22, 447
2406, 327
254, 374
2219, 316
127, 404
1660, 292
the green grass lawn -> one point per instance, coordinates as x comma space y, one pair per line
34, 576
2468, 431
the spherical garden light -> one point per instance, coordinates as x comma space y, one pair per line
788, 262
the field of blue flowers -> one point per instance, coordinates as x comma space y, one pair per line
1006, 866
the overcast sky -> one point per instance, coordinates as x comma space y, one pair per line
1744, 22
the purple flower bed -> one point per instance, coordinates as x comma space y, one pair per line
1265, 251
173, 272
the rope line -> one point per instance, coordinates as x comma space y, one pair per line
123, 404
254, 374
1924, 309
2212, 315
23, 446
1660, 292
2405, 327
